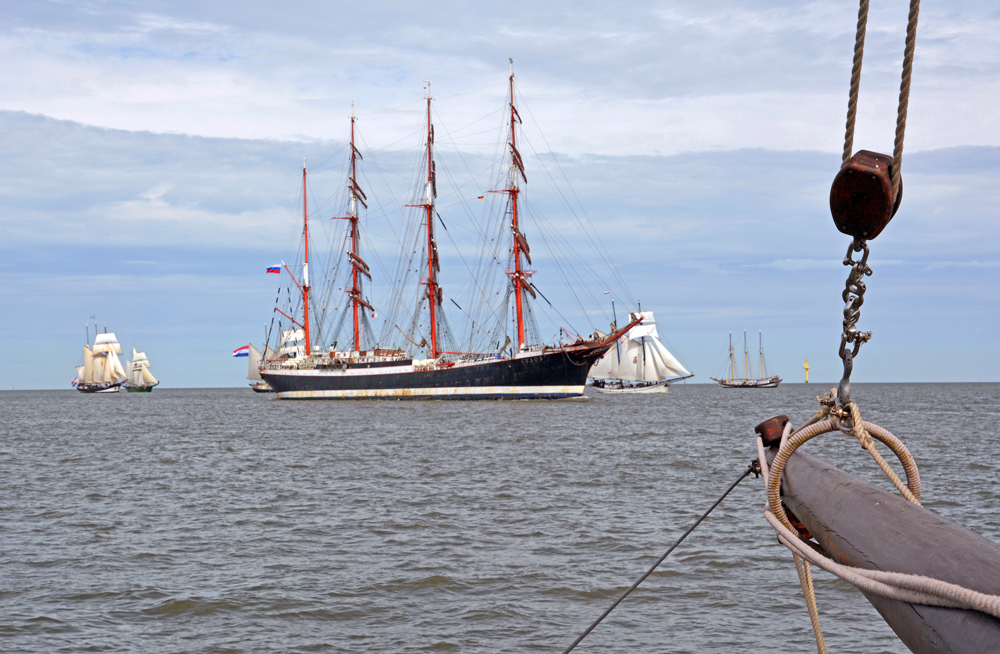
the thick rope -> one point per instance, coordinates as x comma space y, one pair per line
904, 93
852, 102
806, 434
861, 433
806, 581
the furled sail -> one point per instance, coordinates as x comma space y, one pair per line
292, 343
639, 356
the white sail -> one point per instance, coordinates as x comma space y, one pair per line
148, 377
607, 366
646, 328
117, 370
79, 373
138, 357
99, 368
107, 343
88, 366
292, 335
639, 356
253, 367
668, 363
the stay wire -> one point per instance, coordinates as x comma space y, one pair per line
618, 601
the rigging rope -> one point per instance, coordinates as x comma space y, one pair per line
904, 88
751, 468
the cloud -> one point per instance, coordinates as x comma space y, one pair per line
646, 79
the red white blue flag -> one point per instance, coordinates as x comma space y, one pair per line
242, 351
274, 269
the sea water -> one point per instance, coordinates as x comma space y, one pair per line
224, 521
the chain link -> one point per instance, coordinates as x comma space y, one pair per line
854, 297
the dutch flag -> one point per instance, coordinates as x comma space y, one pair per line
242, 351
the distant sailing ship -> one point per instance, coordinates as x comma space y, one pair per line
253, 369
638, 363
140, 379
764, 381
363, 369
102, 370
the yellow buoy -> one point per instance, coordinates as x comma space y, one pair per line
807, 369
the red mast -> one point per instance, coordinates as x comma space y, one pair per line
520, 245
433, 263
305, 264
358, 266
433, 290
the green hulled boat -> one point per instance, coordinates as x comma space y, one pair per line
140, 380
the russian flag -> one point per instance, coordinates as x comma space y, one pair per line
242, 351
274, 269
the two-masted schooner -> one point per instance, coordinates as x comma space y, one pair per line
140, 379
638, 363
511, 366
746, 381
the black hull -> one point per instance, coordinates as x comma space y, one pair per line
106, 387
552, 374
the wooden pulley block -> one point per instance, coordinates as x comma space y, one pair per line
770, 430
861, 196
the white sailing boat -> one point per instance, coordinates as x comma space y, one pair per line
253, 369
638, 363
140, 379
102, 370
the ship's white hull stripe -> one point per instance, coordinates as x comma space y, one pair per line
507, 392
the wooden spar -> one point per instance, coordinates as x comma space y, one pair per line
859, 524
305, 265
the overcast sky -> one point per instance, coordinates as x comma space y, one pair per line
150, 162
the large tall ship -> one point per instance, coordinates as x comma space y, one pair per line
511, 362
102, 370
746, 381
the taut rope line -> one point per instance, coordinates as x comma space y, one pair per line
751, 468
852, 102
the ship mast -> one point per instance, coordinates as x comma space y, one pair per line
732, 359
433, 290
520, 244
746, 356
357, 265
305, 263
760, 337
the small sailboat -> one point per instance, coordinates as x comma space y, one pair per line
764, 381
140, 379
102, 370
253, 369
638, 363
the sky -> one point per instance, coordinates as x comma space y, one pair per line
151, 153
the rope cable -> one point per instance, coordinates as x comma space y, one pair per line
697, 522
